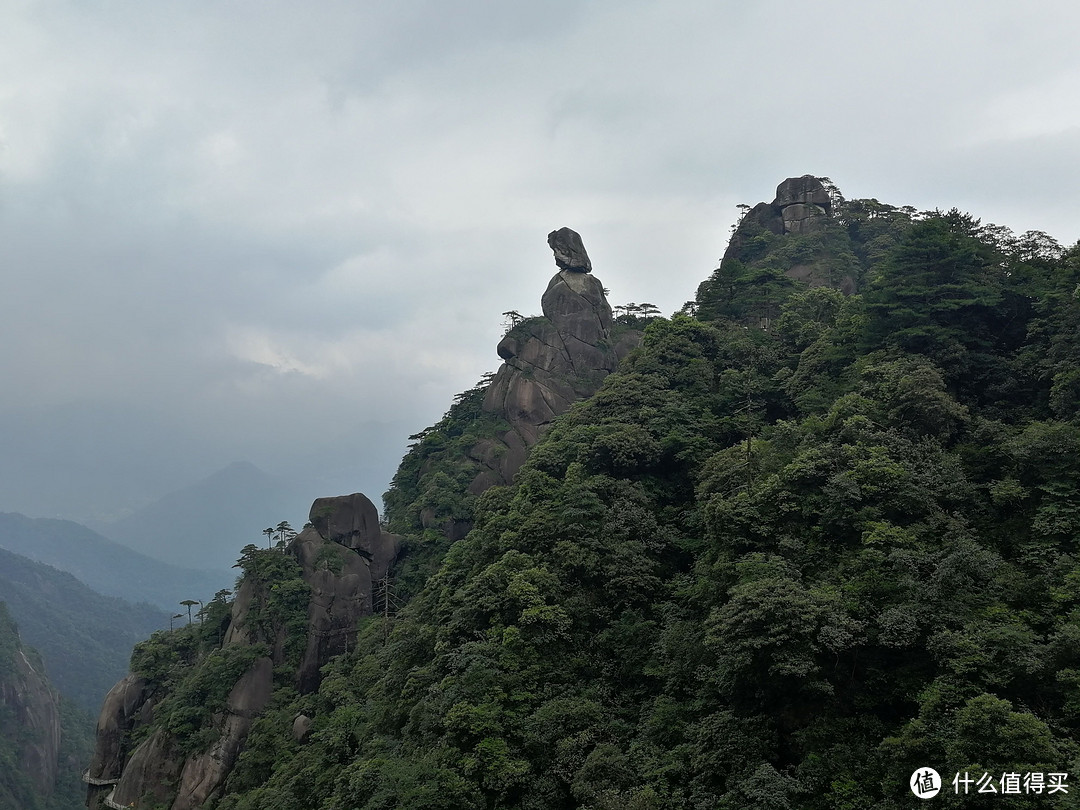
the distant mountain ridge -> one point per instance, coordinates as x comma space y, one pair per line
84, 637
107, 567
206, 524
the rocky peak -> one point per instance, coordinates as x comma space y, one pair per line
550, 362
805, 190
343, 553
569, 251
802, 205
801, 200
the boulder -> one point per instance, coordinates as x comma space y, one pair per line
569, 251
805, 190
301, 727
352, 521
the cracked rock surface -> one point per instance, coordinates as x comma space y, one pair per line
551, 362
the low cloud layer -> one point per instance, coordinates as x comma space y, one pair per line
285, 232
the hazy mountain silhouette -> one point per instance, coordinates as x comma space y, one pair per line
104, 565
84, 637
206, 524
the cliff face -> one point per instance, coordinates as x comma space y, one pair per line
293, 611
550, 362
348, 528
29, 719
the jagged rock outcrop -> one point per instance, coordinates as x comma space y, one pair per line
341, 593
204, 773
550, 362
342, 554
802, 205
31, 709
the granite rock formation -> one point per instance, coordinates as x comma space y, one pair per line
806, 191
347, 526
800, 203
550, 362
570, 253
342, 553
126, 704
802, 206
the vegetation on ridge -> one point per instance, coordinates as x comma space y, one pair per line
796, 547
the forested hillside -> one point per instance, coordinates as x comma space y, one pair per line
107, 567
84, 637
817, 531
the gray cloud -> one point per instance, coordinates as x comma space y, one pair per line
266, 231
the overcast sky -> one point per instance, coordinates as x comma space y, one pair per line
285, 232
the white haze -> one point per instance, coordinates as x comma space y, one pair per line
285, 232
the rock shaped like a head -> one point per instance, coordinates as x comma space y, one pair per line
805, 190
569, 251
350, 520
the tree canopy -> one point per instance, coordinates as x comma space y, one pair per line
799, 545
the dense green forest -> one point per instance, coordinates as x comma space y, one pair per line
799, 545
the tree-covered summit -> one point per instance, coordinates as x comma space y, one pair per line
812, 537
